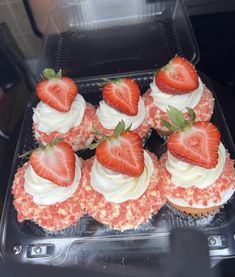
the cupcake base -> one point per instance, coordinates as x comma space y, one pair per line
142, 130
203, 110
51, 217
129, 214
78, 137
195, 212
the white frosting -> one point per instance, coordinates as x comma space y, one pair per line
226, 195
163, 100
45, 192
109, 117
117, 187
186, 175
50, 120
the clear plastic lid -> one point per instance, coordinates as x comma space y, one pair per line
90, 38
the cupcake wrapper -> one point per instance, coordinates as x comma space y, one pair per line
187, 219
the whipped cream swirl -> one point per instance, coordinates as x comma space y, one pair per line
109, 117
50, 120
163, 100
117, 187
187, 175
45, 192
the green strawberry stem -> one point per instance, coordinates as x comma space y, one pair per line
55, 141
27, 154
177, 120
50, 73
119, 129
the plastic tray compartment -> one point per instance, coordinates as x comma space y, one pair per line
91, 243
90, 38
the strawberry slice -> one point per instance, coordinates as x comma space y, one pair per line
193, 142
54, 162
179, 76
122, 152
197, 145
123, 95
56, 91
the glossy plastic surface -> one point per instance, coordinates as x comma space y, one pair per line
90, 38
90, 242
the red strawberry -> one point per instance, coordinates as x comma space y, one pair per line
55, 162
56, 91
193, 142
122, 153
197, 145
123, 95
179, 76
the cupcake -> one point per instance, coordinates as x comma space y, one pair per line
46, 189
120, 186
197, 172
121, 101
177, 84
62, 112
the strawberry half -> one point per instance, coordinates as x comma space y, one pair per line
179, 76
54, 162
122, 152
56, 91
193, 142
123, 95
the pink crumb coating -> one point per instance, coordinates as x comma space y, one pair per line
129, 214
203, 110
142, 130
193, 195
51, 217
78, 137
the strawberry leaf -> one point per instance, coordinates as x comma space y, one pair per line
49, 73
94, 145
59, 74
167, 124
103, 136
55, 141
26, 155
176, 116
128, 128
119, 128
192, 115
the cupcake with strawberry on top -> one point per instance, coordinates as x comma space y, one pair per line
177, 84
62, 112
120, 185
121, 101
197, 171
47, 188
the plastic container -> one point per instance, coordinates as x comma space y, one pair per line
90, 242
90, 38
95, 40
